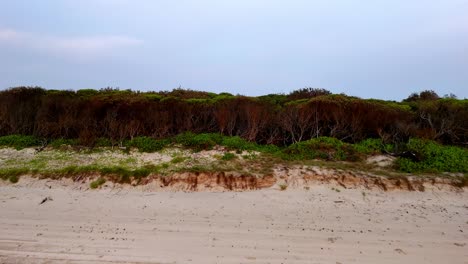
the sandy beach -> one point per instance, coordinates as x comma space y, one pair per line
319, 225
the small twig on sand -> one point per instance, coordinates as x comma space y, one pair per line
45, 200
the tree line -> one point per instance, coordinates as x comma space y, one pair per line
279, 119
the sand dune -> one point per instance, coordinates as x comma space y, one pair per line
319, 225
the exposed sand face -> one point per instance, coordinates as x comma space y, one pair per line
319, 225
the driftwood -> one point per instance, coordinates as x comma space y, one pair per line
45, 200
405, 154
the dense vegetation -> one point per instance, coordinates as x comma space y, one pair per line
88, 115
305, 124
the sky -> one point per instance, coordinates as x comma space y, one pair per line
367, 48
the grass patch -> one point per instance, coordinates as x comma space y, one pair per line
97, 183
179, 159
6, 174
228, 156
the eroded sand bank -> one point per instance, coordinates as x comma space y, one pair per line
319, 225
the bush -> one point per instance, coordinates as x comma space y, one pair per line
320, 148
199, 142
433, 157
147, 144
371, 146
13, 178
103, 142
238, 143
19, 141
62, 141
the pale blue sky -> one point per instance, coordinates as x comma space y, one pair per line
367, 48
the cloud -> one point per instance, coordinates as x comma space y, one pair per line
8, 35
72, 47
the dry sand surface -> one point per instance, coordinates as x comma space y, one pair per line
319, 225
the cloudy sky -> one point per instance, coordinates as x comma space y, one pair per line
368, 48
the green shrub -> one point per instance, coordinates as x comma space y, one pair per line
147, 144
62, 141
184, 139
433, 157
199, 141
228, 156
103, 142
237, 143
13, 178
98, 182
372, 146
19, 141
320, 148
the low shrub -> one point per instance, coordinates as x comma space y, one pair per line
103, 142
19, 141
198, 142
240, 144
147, 144
320, 148
433, 157
372, 146
13, 178
237, 143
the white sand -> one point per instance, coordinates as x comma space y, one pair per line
319, 225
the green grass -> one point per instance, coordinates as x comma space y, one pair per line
7, 173
228, 156
178, 159
97, 183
